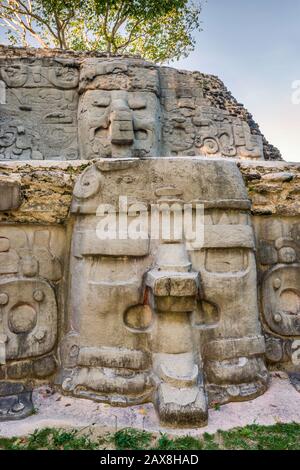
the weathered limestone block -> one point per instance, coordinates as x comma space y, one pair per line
10, 193
39, 118
15, 401
88, 244
273, 187
29, 309
45, 189
123, 362
130, 298
231, 371
119, 122
281, 300
105, 290
30, 275
193, 126
60, 108
180, 398
279, 269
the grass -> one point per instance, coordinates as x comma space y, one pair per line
131, 439
50, 439
254, 437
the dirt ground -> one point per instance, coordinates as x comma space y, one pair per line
281, 404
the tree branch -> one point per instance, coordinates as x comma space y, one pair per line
131, 39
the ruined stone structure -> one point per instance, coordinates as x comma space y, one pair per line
128, 320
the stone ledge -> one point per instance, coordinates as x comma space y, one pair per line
47, 188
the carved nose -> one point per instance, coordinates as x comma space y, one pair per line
122, 127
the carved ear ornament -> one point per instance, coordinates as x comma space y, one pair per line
88, 184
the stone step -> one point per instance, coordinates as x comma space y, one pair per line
182, 406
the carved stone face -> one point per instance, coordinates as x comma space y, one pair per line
147, 305
118, 123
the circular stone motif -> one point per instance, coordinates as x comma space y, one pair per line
138, 317
287, 255
210, 146
22, 319
4, 299
290, 302
38, 295
277, 283
278, 318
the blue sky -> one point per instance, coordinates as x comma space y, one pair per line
253, 46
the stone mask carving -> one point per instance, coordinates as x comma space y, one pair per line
118, 123
116, 108
133, 320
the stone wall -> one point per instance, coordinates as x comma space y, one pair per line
90, 146
217, 93
273, 187
48, 203
47, 189
205, 115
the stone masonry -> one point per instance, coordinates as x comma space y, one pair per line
88, 142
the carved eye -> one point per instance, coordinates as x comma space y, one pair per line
101, 102
137, 103
226, 260
141, 134
7, 139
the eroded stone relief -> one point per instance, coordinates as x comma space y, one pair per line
30, 272
127, 108
39, 118
279, 256
193, 127
178, 323
162, 291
